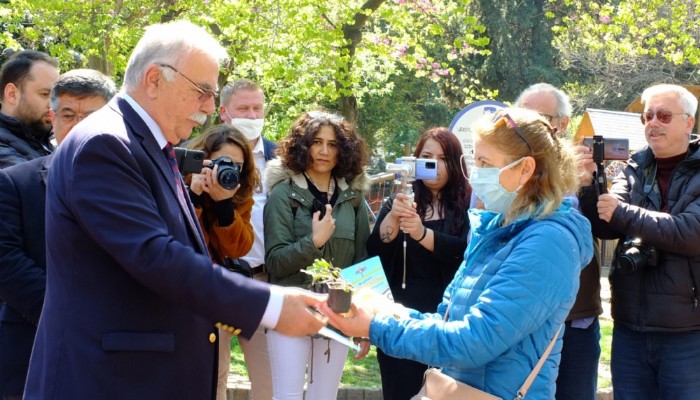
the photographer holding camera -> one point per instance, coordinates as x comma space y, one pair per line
222, 194
654, 210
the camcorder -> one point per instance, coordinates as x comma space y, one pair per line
409, 169
192, 162
605, 149
633, 255
414, 168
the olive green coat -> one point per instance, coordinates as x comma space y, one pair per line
288, 244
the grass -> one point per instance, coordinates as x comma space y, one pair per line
606, 327
365, 372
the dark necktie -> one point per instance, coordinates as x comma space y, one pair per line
169, 152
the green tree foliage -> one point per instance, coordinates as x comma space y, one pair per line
392, 121
521, 51
304, 53
624, 46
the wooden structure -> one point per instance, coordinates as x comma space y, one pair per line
613, 124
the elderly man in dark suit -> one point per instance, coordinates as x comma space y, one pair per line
76, 94
132, 299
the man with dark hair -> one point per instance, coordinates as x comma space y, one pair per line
580, 354
242, 104
25, 126
75, 95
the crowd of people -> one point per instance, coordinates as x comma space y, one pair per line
124, 274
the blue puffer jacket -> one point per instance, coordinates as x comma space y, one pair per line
508, 300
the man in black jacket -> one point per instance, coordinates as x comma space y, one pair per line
75, 95
25, 126
653, 208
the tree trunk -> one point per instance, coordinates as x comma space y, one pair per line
347, 102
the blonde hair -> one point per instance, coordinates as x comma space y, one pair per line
555, 162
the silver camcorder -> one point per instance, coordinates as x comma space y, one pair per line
414, 168
409, 169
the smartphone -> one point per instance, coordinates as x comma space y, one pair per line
189, 161
613, 148
426, 168
318, 206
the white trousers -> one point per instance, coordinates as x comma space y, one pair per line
291, 356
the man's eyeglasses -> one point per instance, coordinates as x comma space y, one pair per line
70, 118
204, 93
508, 120
663, 116
325, 115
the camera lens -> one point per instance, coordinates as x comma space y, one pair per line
228, 177
631, 260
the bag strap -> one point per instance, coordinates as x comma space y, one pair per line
531, 378
535, 371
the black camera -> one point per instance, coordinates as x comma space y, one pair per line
229, 173
634, 255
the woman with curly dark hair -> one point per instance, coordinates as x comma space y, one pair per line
224, 212
315, 209
435, 228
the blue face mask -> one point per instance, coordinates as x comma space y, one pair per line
486, 183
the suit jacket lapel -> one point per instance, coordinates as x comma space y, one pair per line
140, 129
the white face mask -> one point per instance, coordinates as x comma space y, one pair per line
251, 128
487, 185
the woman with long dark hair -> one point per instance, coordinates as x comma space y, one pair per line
435, 229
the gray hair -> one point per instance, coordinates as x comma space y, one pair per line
233, 87
563, 103
169, 44
687, 101
82, 83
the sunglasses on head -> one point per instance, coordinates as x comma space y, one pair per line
663, 116
498, 117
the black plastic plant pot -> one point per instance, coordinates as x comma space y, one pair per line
319, 288
339, 300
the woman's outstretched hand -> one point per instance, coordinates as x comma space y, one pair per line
354, 323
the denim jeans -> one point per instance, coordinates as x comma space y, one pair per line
578, 368
655, 365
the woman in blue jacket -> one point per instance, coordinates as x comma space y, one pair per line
520, 275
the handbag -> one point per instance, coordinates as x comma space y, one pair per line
438, 386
